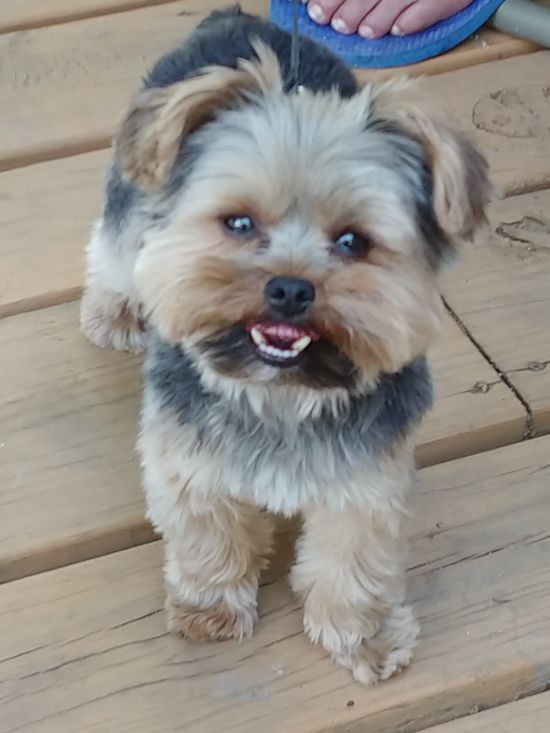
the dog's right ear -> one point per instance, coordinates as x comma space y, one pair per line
158, 119
461, 187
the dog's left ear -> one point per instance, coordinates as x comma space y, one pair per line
149, 139
460, 177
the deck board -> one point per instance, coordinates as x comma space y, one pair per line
70, 484
82, 642
18, 15
485, 45
474, 410
502, 295
504, 106
87, 649
46, 213
64, 87
46, 209
524, 716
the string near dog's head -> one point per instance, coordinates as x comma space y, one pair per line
295, 52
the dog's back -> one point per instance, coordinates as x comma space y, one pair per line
226, 35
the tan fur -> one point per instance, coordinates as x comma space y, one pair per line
307, 169
350, 560
219, 623
216, 547
461, 183
350, 572
110, 321
158, 119
110, 314
381, 317
213, 562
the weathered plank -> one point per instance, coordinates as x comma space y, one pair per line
504, 105
46, 212
502, 295
485, 45
46, 209
19, 16
525, 716
84, 647
63, 87
474, 410
70, 486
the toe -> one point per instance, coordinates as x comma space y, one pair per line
381, 19
322, 11
424, 13
349, 15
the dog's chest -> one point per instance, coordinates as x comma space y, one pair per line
272, 457
277, 464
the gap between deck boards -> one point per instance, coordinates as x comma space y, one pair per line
88, 648
530, 431
68, 13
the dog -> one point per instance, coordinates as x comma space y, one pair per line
276, 242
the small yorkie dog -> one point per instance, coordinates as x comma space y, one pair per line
279, 244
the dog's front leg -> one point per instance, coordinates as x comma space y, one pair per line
350, 572
109, 313
213, 557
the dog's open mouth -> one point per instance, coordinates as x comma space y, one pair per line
280, 343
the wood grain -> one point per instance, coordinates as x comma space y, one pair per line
84, 648
502, 296
525, 716
504, 105
64, 87
19, 16
46, 212
474, 411
70, 484
485, 45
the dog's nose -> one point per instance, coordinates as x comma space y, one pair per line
289, 296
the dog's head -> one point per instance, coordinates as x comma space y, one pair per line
302, 233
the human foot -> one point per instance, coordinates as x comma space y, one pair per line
376, 18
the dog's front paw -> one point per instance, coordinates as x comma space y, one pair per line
218, 623
374, 659
111, 323
396, 641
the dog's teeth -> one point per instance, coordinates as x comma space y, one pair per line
278, 353
301, 343
257, 336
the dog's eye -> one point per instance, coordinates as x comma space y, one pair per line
351, 244
240, 225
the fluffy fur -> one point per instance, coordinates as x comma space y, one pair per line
228, 431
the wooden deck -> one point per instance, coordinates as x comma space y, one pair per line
83, 647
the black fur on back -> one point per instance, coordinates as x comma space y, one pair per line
221, 39
226, 35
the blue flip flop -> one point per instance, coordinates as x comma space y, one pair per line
390, 50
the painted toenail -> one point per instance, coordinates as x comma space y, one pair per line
365, 31
340, 26
396, 31
316, 13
